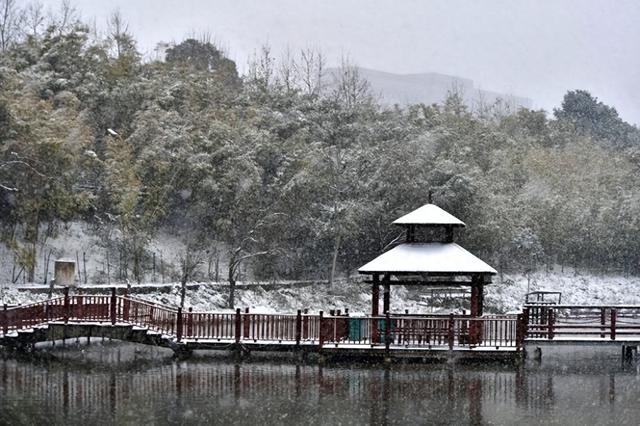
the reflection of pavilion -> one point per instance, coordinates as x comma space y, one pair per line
428, 258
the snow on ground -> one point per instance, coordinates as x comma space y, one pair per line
504, 297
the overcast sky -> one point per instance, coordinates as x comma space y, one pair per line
538, 49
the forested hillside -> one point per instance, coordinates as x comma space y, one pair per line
272, 171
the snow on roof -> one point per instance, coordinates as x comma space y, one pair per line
429, 214
427, 257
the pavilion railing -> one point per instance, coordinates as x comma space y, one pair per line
413, 331
582, 322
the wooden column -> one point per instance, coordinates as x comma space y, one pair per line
474, 301
386, 296
375, 296
481, 297
475, 327
477, 296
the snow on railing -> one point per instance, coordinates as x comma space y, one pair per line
409, 331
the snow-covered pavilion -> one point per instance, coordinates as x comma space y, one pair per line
428, 257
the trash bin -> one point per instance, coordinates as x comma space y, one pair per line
382, 327
355, 329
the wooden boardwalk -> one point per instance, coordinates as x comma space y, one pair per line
390, 336
126, 318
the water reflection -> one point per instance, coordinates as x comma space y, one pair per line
224, 392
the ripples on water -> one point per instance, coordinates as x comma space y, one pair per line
125, 384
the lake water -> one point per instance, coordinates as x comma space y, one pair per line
126, 384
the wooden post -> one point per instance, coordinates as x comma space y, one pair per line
125, 306
614, 317
550, 322
474, 303
238, 325
5, 320
475, 310
375, 296
387, 331
305, 325
375, 309
179, 325
113, 306
246, 324
386, 298
80, 304
520, 327
450, 336
190, 322
298, 327
603, 320
66, 304
320, 333
481, 297
525, 323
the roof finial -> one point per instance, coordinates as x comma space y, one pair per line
430, 196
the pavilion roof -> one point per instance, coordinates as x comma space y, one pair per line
429, 214
433, 258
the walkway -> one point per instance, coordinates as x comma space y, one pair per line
126, 318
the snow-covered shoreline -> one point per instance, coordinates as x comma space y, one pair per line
501, 297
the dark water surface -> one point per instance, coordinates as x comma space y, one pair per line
123, 384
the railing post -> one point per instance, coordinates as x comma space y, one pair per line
305, 325
80, 303
298, 327
246, 324
190, 322
179, 325
238, 325
66, 304
450, 334
125, 306
525, 323
550, 322
112, 306
5, 320
520, 327
614, 317
320, 331
387, 331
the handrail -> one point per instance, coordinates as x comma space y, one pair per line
543, 305
301, 328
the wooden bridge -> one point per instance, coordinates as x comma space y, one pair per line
123, 317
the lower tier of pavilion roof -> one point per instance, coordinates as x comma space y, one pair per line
429, 259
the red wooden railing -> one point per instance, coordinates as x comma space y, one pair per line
423, 331
413, 331
145, 314
580, 322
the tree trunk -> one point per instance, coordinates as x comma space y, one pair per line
232, 285
183, 290
31, 268
336, 248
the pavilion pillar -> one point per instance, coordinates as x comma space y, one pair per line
375, 296
477, 296
386, 300
476, 308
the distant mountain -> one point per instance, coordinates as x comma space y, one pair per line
429, 88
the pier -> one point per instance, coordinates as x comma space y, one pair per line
389, 336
